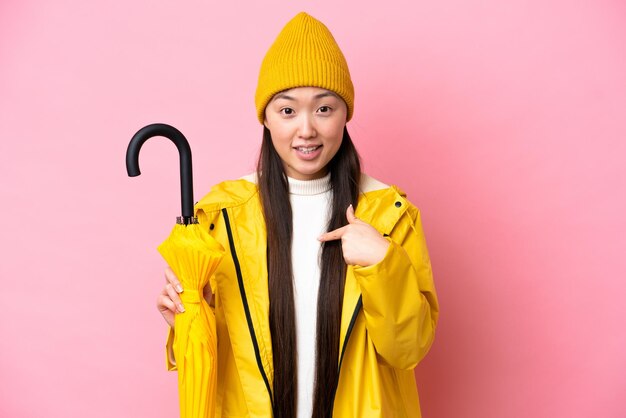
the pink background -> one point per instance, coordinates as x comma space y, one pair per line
505, 121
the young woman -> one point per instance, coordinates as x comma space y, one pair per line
325, 302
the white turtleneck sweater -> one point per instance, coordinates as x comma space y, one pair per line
310, 201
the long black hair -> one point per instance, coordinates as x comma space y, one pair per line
345, 171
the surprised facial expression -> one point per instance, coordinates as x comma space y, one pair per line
307, 125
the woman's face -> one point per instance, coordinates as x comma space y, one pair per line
306, 124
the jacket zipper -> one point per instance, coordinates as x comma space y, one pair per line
246, 307
355, 313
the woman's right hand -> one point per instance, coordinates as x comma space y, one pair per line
168, 301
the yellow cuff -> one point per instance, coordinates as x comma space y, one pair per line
170, 361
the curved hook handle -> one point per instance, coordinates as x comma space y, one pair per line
184, 151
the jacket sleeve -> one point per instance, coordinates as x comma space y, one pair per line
399, 299
170, 361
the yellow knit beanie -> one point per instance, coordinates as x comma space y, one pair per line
304, 54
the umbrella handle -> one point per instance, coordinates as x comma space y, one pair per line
184, 151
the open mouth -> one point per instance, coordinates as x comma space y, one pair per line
307, 150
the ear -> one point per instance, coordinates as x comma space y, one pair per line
265, 118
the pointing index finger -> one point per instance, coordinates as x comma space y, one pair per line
333, 235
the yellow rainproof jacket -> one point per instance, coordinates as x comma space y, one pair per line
389, 311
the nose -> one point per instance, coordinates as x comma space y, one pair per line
307, 127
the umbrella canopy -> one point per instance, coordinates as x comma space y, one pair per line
193, 255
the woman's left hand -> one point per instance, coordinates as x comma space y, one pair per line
361, 243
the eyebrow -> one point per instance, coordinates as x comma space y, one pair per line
325, 94
317, 96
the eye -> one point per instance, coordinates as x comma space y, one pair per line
324, 109
287, 111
